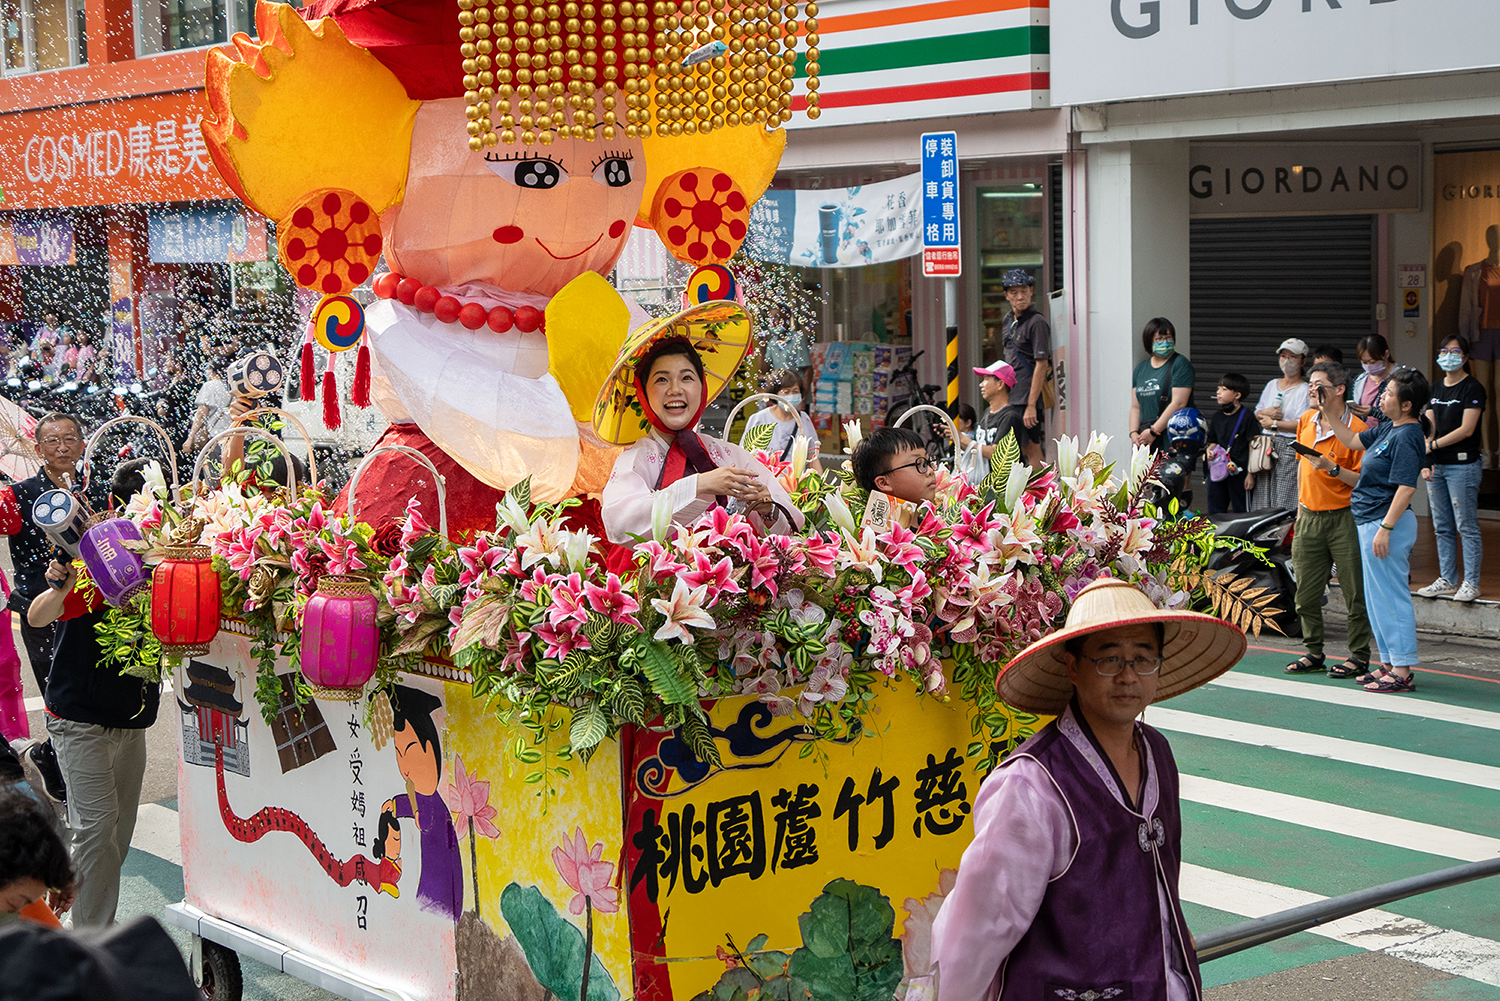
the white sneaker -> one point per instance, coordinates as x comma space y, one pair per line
1440, 587
1466, 592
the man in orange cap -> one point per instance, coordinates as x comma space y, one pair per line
1069, 888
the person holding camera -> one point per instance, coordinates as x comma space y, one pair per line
1326, 535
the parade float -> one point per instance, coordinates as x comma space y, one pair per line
433, 743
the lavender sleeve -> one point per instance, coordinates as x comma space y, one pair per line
1024, 837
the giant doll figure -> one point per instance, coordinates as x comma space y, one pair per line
497, 156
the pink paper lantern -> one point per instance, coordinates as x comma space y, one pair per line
340, 640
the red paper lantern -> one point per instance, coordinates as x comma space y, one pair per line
185, 601
340, 640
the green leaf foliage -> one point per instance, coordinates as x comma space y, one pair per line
671, 684
554, 947
521, 493
1007, 453
701, 740
759, 437
590, 726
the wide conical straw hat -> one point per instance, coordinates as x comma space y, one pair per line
1196, 648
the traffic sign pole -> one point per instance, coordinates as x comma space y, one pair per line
950, 320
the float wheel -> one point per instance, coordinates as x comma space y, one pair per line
221, 973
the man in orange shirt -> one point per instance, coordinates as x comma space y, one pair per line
1325, 534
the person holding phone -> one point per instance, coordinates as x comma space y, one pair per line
1395, 450
1325, 535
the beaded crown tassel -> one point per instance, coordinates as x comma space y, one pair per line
534, 72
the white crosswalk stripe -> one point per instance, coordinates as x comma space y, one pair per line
1357, 698
1374, 930
1336, 748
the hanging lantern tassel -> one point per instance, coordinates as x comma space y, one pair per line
307, 389
331, 416
359, 393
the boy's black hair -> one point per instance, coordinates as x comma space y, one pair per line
1236, 383
412, 708
1330, 352
388, 822
29, 845
872, 456
129, 480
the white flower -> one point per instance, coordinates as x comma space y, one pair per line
1098, 442
573, 548
661, 514
156, 482
1140, 462
799, 457
1015, 485
1067, 456
854, 434
839, 511
509, 514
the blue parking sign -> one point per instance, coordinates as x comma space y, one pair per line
940, 248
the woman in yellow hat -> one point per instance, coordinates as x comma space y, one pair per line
666, 375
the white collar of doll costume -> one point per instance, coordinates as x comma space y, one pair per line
484, 398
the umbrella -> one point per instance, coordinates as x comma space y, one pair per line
19, 458
719, 331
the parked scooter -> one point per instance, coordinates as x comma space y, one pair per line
1270, 529
1186, 438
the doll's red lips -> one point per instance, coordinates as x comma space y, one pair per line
569, 257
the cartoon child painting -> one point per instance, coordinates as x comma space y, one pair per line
497, 157
387, 851
419, 758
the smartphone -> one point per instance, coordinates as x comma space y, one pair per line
1302, 449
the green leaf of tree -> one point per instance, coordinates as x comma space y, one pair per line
629, 703
590, 726
667, 680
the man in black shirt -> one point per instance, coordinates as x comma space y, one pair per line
97, 718
1027, 340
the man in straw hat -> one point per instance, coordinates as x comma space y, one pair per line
1069, 889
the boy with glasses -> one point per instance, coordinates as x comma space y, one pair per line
894, 461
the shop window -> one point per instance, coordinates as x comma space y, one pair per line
42, 35
1012, 233
168, 25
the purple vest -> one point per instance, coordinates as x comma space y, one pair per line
1098, 934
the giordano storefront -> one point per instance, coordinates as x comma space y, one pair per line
1330, 187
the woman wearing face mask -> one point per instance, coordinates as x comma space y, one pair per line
1369, 385
1163, 384
1282, 403
790, 421
661, 377
1458, 402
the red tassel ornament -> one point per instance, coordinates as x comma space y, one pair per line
359, 393
331, 417
307, 388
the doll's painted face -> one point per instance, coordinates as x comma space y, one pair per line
524, 218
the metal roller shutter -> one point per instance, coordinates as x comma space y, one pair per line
1257, 281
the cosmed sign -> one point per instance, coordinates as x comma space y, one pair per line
940, 256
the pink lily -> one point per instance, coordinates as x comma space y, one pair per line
683, 609
717, 577
612, 600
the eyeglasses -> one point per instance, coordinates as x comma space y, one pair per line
53, 441
1110, 666
923, 465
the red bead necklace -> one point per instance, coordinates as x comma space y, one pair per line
411, 292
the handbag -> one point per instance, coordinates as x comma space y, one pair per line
1220, 467
1261, 456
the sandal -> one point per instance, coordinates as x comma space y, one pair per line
1305, 664
1393, 683
1374, 674
1350, 668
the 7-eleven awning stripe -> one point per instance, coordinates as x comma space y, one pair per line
1006, 83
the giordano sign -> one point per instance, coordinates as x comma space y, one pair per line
1120, 50
1288, 178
